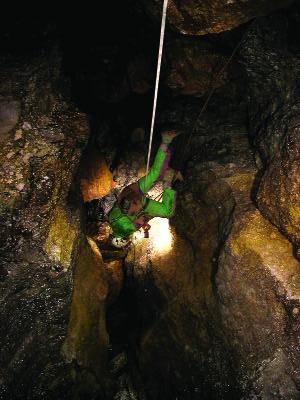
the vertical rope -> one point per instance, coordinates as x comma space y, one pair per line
161, 45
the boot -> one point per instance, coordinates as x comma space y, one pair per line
168, 136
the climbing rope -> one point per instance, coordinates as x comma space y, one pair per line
161, 45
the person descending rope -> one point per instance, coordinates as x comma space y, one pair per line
134, 210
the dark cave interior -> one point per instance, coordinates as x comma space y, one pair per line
208, 307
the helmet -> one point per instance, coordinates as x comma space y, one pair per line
119, 243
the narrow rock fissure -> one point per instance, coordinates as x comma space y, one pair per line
126, 321
123, 329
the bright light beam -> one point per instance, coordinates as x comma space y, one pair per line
160, 239
161, 235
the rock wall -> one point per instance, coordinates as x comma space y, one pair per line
42, 136
214, 309
87, 339
194, 67
218, 311
195, 17
274, 119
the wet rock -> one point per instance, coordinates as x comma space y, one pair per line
26, 126
127, 390
131, 166
274, 116
87, 339
114, 277
18, 134
9, 116
194, 67
96, 178
225, 114
174, 294
39, 227
216, 312
118, 363
199, 18
274, 382
257, 254
62, 237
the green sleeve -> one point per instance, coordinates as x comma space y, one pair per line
121, 225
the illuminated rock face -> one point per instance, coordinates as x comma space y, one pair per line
258, 284
96, 179
195, 17
39, 228
173, 288
211, 328
274, 117
218, 314
87, 338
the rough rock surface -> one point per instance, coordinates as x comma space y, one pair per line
194, 66
39, 225
257, 271
87, 339
9, 115
218, 306
195, 17
96, 179
274, 118
208, 307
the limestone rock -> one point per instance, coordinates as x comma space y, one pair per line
96, 178
9, 116
257, 271
216, 313
114, 278
39, 226
274, 116
195, 17
62, 237
278, 196
87, 339
214, 295
194, 68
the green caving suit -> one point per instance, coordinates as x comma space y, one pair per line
124, 225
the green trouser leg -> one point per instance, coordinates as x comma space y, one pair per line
160, 164
167, 206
